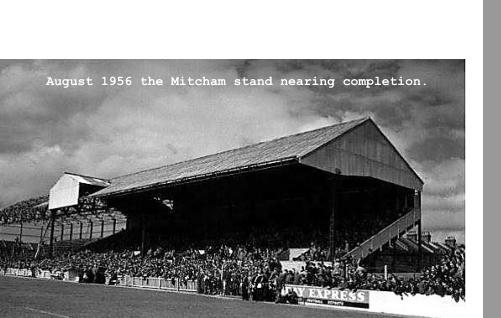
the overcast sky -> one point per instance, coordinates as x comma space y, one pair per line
109, 131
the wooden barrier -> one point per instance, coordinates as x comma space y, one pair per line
190, 285
125, 280
153, 282
137, 281
158, 283
168, 284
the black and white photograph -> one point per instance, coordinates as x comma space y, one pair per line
232, 188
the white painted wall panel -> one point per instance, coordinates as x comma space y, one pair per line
64, 193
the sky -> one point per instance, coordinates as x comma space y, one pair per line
107, 131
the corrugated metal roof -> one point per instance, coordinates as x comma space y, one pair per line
260, 154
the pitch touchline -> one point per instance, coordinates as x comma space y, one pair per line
47, 312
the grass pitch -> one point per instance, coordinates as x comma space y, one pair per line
21, 297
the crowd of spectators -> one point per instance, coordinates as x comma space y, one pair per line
25, 211
245, 263
359, 227
250, 272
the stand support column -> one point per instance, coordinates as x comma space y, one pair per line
333, 205
51, 241
143, 234
62, 231
21, 233
417, 205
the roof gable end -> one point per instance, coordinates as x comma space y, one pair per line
364, 151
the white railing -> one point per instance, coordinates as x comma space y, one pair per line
158, 283
148, 282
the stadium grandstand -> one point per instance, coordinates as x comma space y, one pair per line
327, 207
